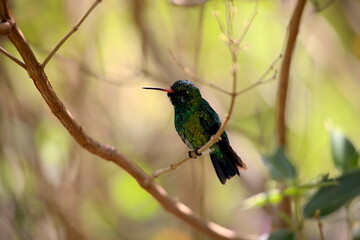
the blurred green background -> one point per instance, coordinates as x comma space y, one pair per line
50, 188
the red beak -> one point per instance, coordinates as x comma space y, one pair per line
160, 89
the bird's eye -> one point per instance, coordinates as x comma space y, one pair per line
184, 93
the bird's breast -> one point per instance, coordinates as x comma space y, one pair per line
190, 129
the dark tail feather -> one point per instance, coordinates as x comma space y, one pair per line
226, 161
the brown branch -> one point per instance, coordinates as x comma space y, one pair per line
319, 223
199, 38
262, 79
285, 205
107, 152
4, 13
5, 25
72, 31
250, 21
285, 69
14, 59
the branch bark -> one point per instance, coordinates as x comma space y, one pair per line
285, 70
36, 72
285, 205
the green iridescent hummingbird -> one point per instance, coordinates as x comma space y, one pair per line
196, 121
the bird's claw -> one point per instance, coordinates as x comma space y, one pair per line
194, 153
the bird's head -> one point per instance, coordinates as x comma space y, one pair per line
182, 94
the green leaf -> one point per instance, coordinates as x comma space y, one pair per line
279, 166
284, 234
330, 198
344, 154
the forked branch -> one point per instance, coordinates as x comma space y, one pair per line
68, 35
14, 59
285, 205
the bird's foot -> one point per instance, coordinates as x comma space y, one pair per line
194, 153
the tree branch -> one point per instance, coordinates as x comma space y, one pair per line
72, 31
285, 69
320, 225
285, 205
4, 13
193, 76
14, 59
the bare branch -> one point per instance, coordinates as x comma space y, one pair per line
199, 38
14, 59
285, 68
170, 168
262, 79
319, 223
285, 205
72, 31
249, 22
4, 11
216, 14
195, 78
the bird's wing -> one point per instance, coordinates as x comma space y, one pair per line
210, 119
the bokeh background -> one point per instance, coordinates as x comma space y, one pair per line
50, 188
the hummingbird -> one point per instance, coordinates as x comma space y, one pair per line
195, 122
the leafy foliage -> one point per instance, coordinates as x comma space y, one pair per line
328, 199
344, 154
279, 166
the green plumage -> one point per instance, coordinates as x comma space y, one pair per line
196, 121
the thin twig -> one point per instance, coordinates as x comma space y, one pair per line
229, 17
199, 182
195, 78
199, 38
120, 81
170, 168
72, 31
349, 218
216, 14
14, 59
249, 22
262, 79
258, 83
319, 223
